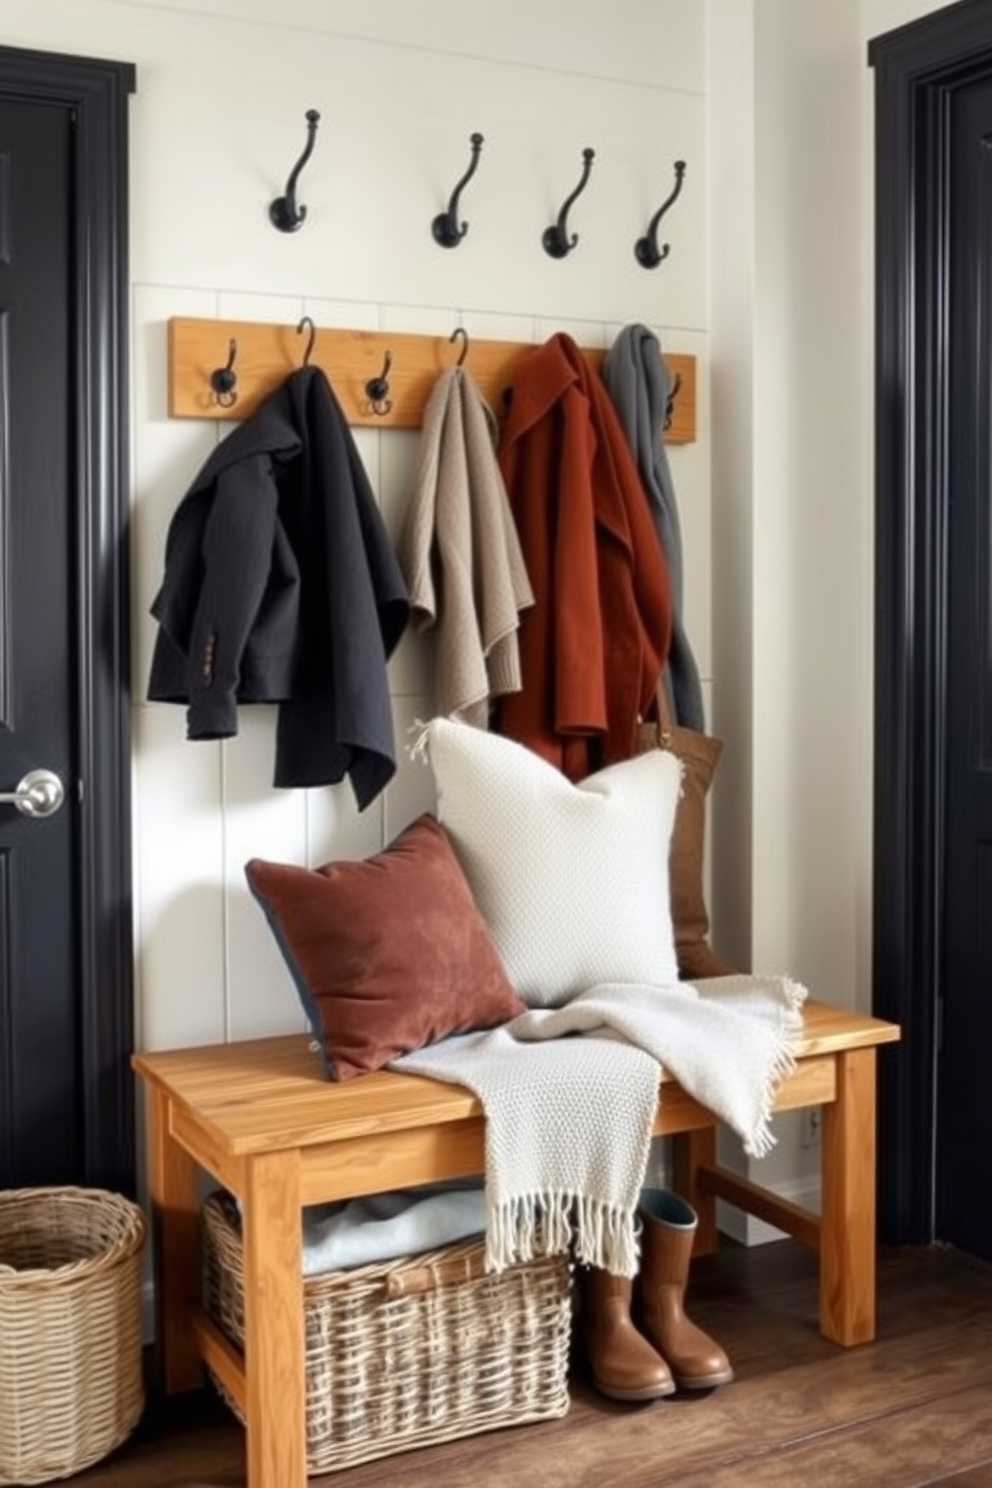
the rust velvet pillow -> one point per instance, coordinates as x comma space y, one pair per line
388, 953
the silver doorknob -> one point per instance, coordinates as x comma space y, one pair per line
40, 793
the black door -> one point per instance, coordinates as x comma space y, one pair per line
932, 902
964, 1090
39, 1069
65, 951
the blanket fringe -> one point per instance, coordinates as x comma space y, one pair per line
417, 750
763, 1139
530, 1225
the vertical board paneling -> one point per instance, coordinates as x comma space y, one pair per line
216, 124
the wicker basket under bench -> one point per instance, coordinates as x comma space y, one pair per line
405, 1353
263, 1120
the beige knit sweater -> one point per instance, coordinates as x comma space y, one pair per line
460, 553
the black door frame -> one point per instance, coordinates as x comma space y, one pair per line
917, 68
97, 93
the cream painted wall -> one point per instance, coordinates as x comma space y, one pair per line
216, 124
790, 136
790, 129
791, 612
788, 409
878, 16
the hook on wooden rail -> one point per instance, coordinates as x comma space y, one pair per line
377, 389
447, 230
305, 324
284, 213
673, 393
555, 238
224, 380
646, 249
460, 334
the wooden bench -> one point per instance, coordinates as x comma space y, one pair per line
263, 1120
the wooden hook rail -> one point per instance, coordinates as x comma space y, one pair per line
266, 352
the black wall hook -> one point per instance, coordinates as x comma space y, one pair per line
377, 388
307, 324
460, 334
224, 380
555, 238
284, 212
447, 230
646, 249
670, 400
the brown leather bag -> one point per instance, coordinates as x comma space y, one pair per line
700, 755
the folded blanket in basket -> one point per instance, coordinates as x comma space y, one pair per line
387, 1225
570, 1095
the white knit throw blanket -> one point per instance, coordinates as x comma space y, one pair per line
568, 1119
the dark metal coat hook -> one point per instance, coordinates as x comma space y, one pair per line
670, 400
307, 324
284, 212
460, 334
377, 388
224, 380
646, 249
555, 238
446, 228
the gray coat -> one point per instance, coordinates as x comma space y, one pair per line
638, 383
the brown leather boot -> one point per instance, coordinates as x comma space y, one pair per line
624, 1365
696, 1361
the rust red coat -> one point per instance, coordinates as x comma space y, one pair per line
593, 646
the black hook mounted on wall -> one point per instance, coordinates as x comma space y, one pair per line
446, 228
555, 238
307, 324
646, 249
284, 212
224, 380
670, 400
377, 388
460, 334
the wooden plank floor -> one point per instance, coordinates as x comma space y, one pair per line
913, 1408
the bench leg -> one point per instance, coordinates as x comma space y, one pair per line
176, 1245
690, 1152
275, 1397
847, 1224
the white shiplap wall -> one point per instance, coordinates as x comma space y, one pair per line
216, 124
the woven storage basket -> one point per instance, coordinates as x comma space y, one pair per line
410, 1352
71, 1384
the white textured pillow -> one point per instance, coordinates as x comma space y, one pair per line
571, 879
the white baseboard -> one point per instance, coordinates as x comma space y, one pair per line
734, 1223
748, 1230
